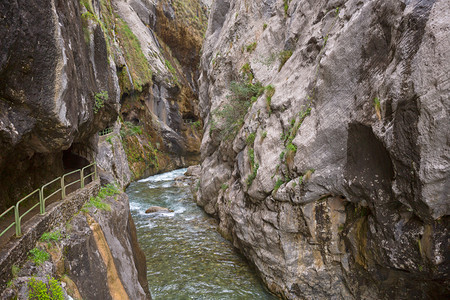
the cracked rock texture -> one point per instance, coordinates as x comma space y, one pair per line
350, 198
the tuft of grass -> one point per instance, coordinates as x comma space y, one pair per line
247, 72
292, 148
278, 184
51, 236
224, 187
15, 270
106, 191
38, 256
270, 91
284, 57
264, 26
377, 105
251, 139
264, 134
286, 6
254, 167
251, 47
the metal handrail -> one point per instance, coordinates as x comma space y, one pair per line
83, 178
12, 224
51, 195
106, 131
63, 186
42, 199
18, 216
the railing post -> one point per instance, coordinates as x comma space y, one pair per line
82, 178
63, 189
41, 200
16, 213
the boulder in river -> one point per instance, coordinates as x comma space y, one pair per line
154, 209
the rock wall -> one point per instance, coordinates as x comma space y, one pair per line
49, 79
335, 181
95, 256
69, 69
163, 105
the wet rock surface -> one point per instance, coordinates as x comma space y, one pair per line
348, 196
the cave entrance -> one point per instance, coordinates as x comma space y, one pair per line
73, 161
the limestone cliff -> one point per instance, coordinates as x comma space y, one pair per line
325, 153
69, 69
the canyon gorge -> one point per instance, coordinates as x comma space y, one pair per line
320, 131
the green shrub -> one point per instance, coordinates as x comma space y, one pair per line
240, 101
251, 138
100, 99
108, 190
291, 147
51, 236
264, 26
38, 256
224, 186
39, 290
247, 72
129, 129
264, 134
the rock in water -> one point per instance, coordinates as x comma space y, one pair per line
154, 209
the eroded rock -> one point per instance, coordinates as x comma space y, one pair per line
350, 181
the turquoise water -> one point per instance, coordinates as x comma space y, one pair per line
186, 257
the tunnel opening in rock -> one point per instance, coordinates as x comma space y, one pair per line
73, 161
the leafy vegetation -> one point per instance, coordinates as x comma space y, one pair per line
100, 99
39, 290
136, 60
251, 47
38, 256
129, 129
251, 139
51, 236
247, 72
377, 105
270, 91
286, 6
106, 191
278, 184
254, 167
240, 100
224, 186
264, 26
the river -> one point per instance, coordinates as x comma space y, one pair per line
186, 257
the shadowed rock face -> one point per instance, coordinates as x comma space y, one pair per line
48, 78
350, 194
